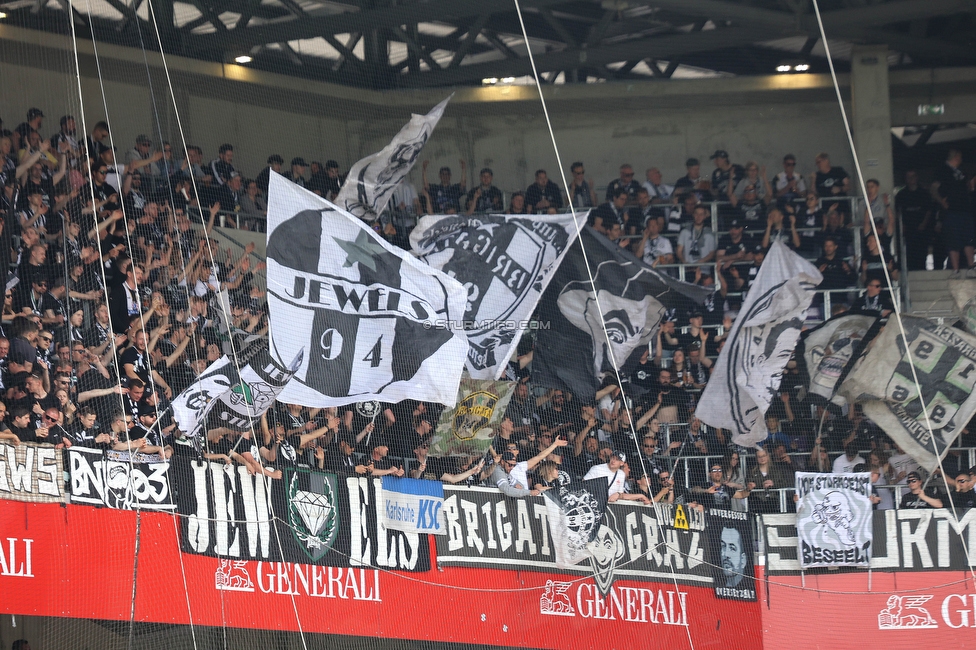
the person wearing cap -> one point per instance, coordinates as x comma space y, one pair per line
333, 179
486, 197
613, 471
140, 151
275, 163
725, 173
626, 183
749, 209
734, 249
716, 492
917, 497
222, 166
297, 173
35, 118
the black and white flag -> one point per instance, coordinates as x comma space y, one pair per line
945, 364
576, 511
371, 181
834, 519
750, 368
830, 351
505, 262
190, 407
362, 313
571, 348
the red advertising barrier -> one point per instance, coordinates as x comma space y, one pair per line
77, 561
911, 610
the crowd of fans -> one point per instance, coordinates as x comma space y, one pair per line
114, 308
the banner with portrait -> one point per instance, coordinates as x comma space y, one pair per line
730, 553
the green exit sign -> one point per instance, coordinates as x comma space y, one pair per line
931, 109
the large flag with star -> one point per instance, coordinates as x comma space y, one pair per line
506, 262
371, 181
369, 319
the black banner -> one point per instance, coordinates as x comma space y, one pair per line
116, 480
730, 553
904, 540
487, 529
307, 517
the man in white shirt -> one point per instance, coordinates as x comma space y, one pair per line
844, 464
657, 189
613, 471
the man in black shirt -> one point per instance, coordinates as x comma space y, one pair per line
951, 192
725, 173
919, 498
339, 457
264, 176
543, 196
914, 205
297, 173
333, 179
693, 182
734, 249
837, 273
963, 496
874, 301
626, 183
222, 166
486, 197
445, 198
609, 214
830, 182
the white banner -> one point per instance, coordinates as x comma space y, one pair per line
30, 472
121, 484
749, 370
833, 519
362, 314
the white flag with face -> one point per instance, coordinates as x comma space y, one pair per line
371, 181
367, 318
749, 370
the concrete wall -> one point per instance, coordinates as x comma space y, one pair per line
604, 125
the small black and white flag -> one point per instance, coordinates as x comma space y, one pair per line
371, 181
505, 262
190, 408
576, 510
572, 351
364, 314
750, 368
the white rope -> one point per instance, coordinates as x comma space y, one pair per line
596, 297
887, 275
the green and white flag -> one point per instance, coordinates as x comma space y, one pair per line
468, 428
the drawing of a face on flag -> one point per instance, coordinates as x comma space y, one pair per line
631, 315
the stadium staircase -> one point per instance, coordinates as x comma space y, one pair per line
930, 297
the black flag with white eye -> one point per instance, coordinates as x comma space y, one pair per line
366, 317
572, 351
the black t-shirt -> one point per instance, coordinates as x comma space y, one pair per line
631, 188
913, 205
140, 362
720, 178
825, 182
21, 351
445, 199
834, 275
489, 201
965, 499
753, 216
609, 215
912, 501
734, 248
534, 194
954, 189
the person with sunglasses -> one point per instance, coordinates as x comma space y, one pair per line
873, 301
919, 497
626, 183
